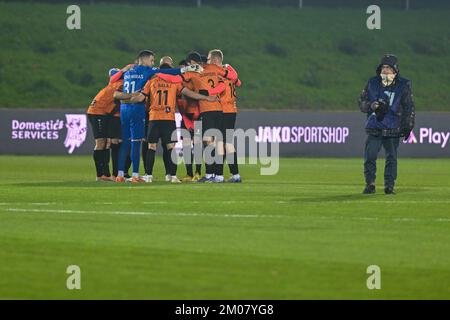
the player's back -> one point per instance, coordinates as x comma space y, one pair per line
208, 79
163, 98
228, 97
191, 104
104, 102
136, 78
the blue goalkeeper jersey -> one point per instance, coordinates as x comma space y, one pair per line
132, 116
135, 78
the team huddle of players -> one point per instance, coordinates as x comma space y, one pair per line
139, 104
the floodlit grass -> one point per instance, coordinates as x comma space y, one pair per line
307, 232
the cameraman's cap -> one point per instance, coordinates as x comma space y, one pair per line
194, 56
390, 60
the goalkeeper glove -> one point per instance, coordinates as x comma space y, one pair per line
192, 68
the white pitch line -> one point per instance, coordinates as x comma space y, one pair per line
289, 202
155, 202
368, 201
178, 214
188, 214
298, 202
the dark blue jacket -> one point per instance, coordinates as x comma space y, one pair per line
401, 112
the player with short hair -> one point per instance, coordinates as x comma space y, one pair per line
212, 113
132, 115
166, 153
102, 115
166, 60
228, 99
189, 113
162, 96
114, 136
209, 82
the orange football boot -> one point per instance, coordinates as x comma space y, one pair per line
120, 179
136, 180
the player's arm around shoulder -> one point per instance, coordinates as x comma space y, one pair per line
142, 95
170, 78
218, 89
229, 72
116, 77
135, 97
138, 97
197, 96
119, 95
189, 76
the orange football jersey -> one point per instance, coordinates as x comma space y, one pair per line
211, 76
191, 104
163, 98
104, 102
228, 97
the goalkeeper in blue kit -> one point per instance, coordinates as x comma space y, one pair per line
132, 115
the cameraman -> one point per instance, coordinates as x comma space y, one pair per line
388, 101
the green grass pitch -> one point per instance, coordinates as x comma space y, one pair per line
306, 232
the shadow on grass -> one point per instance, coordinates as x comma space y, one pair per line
96, 185
357, 197
67, 184
334, 198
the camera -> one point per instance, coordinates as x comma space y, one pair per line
382, 110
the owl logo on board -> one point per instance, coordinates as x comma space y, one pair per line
76, 131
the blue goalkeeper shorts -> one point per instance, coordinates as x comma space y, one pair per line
132, 120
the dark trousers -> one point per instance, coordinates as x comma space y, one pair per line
373, 147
